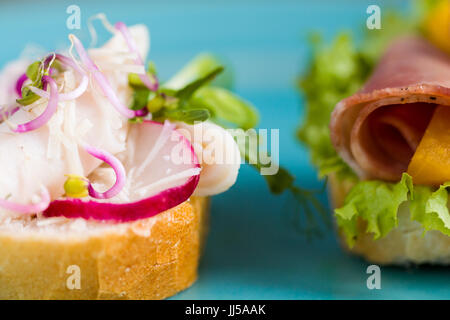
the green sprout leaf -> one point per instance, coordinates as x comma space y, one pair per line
186, 92
135, 82
28, 97
33, 71
136, 120
155, 102
140, 98
198, 68
151, 69
189, 116
76, 186
226, 107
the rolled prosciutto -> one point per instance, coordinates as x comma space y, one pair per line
378, 130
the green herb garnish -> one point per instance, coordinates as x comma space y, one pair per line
189, 96
34, 72
189, 116
188, 91
226, 107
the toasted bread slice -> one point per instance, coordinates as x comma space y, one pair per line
59, 258
405, 244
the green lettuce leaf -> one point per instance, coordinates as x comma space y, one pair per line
187, 115
431, 208
375, 202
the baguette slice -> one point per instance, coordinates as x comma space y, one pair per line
403, 245
147, 259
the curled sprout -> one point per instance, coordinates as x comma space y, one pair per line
118, 168
106, 24
100, 79
48, 112
28, 208
19, 84
151, 85
77, 92
80, 187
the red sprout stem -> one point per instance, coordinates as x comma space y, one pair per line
151, 85
28, 208
77, 92
19, 84
48, 112
101, 79
118, 168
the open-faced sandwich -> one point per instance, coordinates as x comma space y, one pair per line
385, 147
106, 172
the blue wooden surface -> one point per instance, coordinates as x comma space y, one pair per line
253, 250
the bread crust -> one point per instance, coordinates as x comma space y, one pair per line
403, 245
148, 259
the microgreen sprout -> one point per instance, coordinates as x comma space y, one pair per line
48, 112
152, 85
19, 84
116, 165
76, 186
79, 187
77, 92
100, 78
28, 208
175, 105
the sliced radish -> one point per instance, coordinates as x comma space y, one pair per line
162, 172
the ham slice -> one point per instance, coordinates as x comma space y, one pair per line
377, 130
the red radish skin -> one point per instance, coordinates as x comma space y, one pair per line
123, 212
126, 212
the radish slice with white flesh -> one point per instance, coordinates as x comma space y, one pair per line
162, 172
